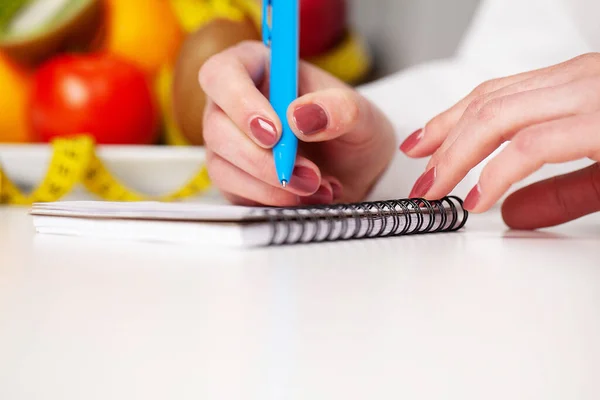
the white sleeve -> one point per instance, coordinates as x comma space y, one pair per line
506, 37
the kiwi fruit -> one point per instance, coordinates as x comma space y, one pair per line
188, 97
33, 30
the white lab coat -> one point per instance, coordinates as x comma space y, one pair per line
506, 37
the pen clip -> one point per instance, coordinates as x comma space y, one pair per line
267, 21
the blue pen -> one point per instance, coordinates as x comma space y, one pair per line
281, 21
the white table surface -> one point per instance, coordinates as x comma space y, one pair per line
480, 314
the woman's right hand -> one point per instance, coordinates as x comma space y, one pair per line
345, 142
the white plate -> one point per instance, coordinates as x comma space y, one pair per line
153, 170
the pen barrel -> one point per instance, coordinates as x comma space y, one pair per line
284, 37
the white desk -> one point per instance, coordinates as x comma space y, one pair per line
481, 314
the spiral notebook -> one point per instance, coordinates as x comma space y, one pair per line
235, 226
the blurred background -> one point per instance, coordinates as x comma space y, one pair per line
124, 71
401, 33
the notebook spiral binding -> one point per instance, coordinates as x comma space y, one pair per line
366, 220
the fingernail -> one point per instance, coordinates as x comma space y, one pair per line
264, 131
473, 198
310, 119
423, 184
323, 196
338, 190
412, 141
304, 180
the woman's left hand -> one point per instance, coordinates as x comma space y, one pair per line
549, 116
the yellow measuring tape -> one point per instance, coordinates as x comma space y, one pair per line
73, 162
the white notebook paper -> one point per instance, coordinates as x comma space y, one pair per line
234, 226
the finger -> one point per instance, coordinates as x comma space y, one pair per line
236, 80
329, 108
554, 201
240, 201
230, 80
559, 141
440, 130
323, 196
425, 141
226, 140
483, 106
329, 114
242, 188
500, 119
556, 78
336, 186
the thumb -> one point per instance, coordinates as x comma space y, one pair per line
331, 113
554, 201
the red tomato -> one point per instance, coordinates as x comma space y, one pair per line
323, 23
99, 94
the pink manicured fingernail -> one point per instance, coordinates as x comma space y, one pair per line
472, 199
304, 180
424, 184
264, 131
323, 196
338, 190
412, 141
310, 119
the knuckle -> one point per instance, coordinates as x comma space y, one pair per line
247, 45
475, 106
485, 88
349, 111
214, 167
352, 107
484, 108
585, 59
526, 142
211, 70
210, 129
489, 110
208, 73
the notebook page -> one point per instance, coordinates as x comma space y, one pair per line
228, 234
148, 210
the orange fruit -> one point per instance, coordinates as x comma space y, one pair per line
14, 99
146, 32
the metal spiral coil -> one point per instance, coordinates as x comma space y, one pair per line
307, 224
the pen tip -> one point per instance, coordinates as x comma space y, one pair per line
284, 184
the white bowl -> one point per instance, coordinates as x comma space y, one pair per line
152, 170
